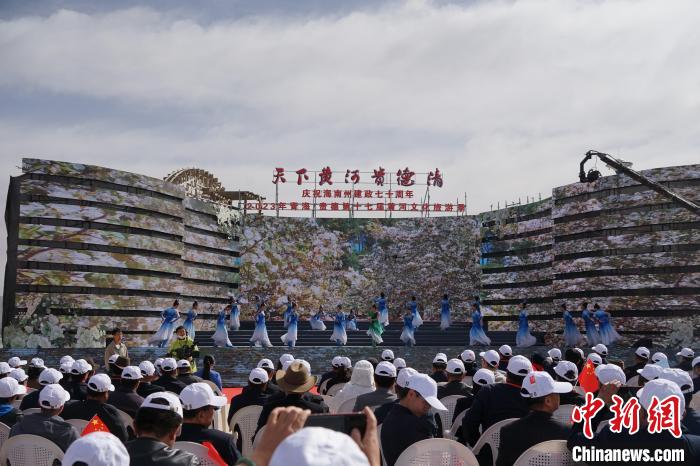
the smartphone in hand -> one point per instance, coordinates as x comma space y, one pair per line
344, 423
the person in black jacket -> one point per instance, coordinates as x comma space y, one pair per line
157, 424
454, 385
253, 394
148, 375
10, 389
184, 373
168, 379
685, 359
199, 405
125, 397
641, 359
439, 366
542, 394
340, 373
566, 371
80, 372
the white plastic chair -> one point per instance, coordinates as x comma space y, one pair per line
633, 381
468, 380
452, 433
492, 438
4, 433
16, 403
31, 411
258, 436
30, 450
347, 405
549, 453
79, 424
563, 414
335, 389
247, 421
437, 451
578, 389
322, 387
695, 401
379, 439
200, 451
450, 403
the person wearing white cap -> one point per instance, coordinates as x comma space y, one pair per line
504, 354
641, 359
99, 387
47, 423
125, 397
36, 365
691, 420
405, 423
4, 369
15, 362
20, 376
566, 371
10, 389
660, 359
80, 372
253, 394
469, 359
399, 363
184, 373
439, 366
97, 449
199, 404
148, 375
400, 387
685, 359
481, 378
339, 373
602, 351
695, 374
168, 379
490, 360
384, 380
649, 372
157, 363
455, 384
543, 397
361, 382
65, 359
608, 373
499, 401
47, 377
595, 359
555, 354
388, 355
157, 425
312, 446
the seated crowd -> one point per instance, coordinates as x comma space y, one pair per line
139, 412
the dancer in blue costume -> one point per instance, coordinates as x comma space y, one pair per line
413, 306
445, 318
220, 336
287, 312
168, 318
189, 321
524, 338
572, 337
260, 337
592, 334
408, 334
234, 322
477, 336
608, 334
339, 336
382, 309
351, 322
290, 338
316, 320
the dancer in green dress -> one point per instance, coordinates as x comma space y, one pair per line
375, 328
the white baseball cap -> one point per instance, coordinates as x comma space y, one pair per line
100, 383
539, 383
37, 362
661, 389
65, 359
484, 377
66, 367
681, 378
347, 363
18, 374
650, 372
168, 364
286, 357
386, 369
399, 363
660, 359
4, 368
163, 400
147, 368
16, 362
468, 356
696, 361
10, 387
337, 361
53, 396
600, 349
318, 446
197, 395
266, 364
566, 370
491, 357
158, 363
95, 449
686, 353
642, 352
426, 388
387, 355
132, 373
258, 376
404, 375
455, 366
505, 350
113, 358
183, 364
49, 376
595, 359
440, 358
519, 365
80, 366
607, 373
555, 354
580, 351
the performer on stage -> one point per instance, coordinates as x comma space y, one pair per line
408, 333
572, 337
260, 337
445, 319
287, 312
477, 336
235, 318
523, 338
375, 327
351, 321
383, 310
592, 334
290, 338
413, 306
316, 320
339, 336
608, 334
189, 321
183, 347
168, 318
220, 336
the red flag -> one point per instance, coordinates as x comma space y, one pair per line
94, 425
214, 455
587, 379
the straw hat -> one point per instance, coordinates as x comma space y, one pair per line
296, 379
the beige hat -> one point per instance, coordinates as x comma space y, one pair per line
296, 379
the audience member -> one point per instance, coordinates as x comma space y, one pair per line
455, 377
125, 397
116, 346
691, 420
566, 371
439, 366
384, 379
388, 355
685, 359
34, 369
469, 359
10, 389
490, 360
208, 373
505, 352
696, 374
482, 378
148, 375
339, 373
168, 379
184, 373
80, 373
401, 391
270, 388
361, 382
47, 377
96, 449
602, 351
641, 359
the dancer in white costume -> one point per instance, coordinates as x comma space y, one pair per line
260, 337
417, 319
163, 335
408, 333
524, 338
339, 336
382, 309
316, 320
220, 336
290, 338
445, 317
235, 319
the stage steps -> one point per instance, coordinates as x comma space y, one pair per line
429, 334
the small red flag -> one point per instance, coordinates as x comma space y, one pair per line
94, 425
587, 379
214, 455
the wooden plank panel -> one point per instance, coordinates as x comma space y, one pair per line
97, 280
204, 257
102, 237
626, 219
210, 241
651, 303
516, 293
627, 282
525, 259
199, 290
520, 276
199, 273
519, 243
200, 206
657, 238
97, 258
102, 215
658, 259
201, 221
107, 303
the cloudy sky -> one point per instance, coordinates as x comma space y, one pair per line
503, 96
